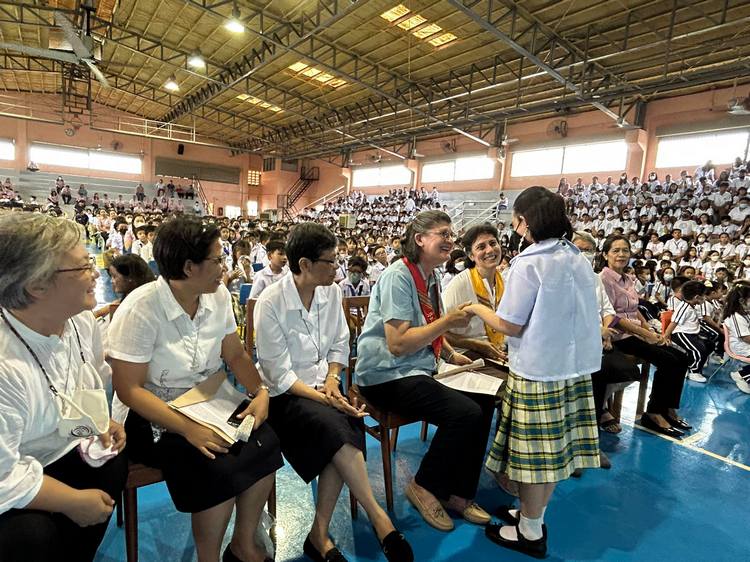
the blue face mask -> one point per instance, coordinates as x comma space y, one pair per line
355, 278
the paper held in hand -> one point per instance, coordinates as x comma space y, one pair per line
211, 404
467, 379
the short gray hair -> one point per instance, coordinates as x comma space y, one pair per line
31, 245
586, 237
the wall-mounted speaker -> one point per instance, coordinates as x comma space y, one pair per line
180, 149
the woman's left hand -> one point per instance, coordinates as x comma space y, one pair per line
258, 408
459, 359
114, 436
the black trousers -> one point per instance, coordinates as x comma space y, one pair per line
616, 367
696, 348
454, 460
30, 535
669, 378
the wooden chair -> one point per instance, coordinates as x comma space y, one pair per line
615, 401
386, 430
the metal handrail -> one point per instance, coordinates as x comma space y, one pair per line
328, 196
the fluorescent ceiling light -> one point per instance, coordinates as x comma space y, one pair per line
297, 66
324, 77
242, 97
395, 13
336, 82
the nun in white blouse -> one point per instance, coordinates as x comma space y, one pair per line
302, 344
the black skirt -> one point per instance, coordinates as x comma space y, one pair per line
194, 481
311, 433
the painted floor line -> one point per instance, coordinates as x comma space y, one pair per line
687, 443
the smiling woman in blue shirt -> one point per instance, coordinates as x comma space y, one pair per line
547, 425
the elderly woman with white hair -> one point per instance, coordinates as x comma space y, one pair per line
59, 464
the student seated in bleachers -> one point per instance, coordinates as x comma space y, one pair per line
167, 337
274, 271
736, 317
356, 284
480, 283
302, 342
56, 498
401, 342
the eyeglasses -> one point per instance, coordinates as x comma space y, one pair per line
444, 234
216, 261
91, 267
332, 262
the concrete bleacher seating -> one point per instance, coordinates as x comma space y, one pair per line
39, 184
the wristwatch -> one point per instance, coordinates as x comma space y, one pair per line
260, 387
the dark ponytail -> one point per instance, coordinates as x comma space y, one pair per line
740, 292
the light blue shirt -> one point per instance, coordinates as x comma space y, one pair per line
551, 291
394, 297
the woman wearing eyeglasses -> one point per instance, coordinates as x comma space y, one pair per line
302, 343
55, 497
397, 354
167, 337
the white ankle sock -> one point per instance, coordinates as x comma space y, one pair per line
516, 512
531, 528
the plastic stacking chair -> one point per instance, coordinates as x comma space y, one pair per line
245, 289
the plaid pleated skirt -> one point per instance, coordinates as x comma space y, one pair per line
546, 430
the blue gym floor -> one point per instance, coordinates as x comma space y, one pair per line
662, 500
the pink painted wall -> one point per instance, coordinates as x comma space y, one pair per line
26, 132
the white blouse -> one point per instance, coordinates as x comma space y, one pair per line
151, 327
294, 344
28, 415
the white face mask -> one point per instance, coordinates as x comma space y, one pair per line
714, 258
460, 266
668, 278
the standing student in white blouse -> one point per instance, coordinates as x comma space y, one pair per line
302, 342
167, 337
54, 505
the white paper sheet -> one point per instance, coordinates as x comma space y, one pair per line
217, 410
465, 379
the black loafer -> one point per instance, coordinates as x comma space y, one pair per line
537, 548
229, 556
648, 423
503, 513
396, 548
677, 423
333, 555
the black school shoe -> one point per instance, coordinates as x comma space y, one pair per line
503, 512
333, 555
396, 548
536, 549
648, 423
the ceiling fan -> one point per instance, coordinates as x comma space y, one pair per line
81, 42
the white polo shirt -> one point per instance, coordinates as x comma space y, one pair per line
264, 279
151, 327
686, 317
289, 339
738, 326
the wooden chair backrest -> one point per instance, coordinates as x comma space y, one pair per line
106, 310
355, 312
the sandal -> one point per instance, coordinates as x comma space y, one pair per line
610, 426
